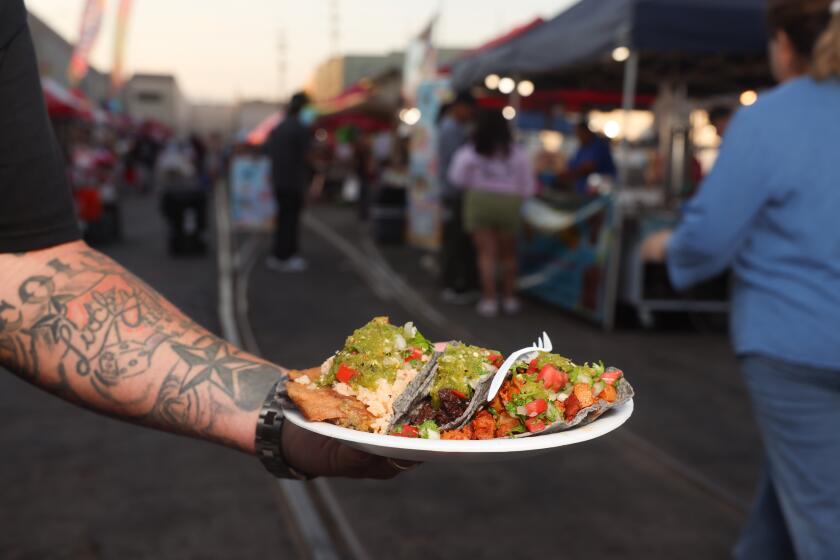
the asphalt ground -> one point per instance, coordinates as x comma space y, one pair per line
74, 485
673, 483
667, 485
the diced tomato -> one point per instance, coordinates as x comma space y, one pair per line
407, 431
610, 377
572, 407
416, 354
495, 359
534, 425
553, 378
345, 373
532, 366
537, 407
458, 394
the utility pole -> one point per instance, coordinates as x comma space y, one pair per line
282, 64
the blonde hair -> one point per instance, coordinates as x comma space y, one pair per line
825, 62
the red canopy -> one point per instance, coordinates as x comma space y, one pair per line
493, 43
62, 102
353, 96
569, 99
258, 135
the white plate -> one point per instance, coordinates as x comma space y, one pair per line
477, 451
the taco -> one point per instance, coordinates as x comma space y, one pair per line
456, 389
370, 382
546, 394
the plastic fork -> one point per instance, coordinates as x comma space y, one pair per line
543, 344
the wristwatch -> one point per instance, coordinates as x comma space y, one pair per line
269, 438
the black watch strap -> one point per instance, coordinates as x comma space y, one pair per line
269, 440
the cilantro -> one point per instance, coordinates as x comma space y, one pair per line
520, 429
493, 411
421, 342
551, 413
511, 408
429, 430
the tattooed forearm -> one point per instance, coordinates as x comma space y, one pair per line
78, 324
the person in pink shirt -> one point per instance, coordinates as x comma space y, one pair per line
497, 177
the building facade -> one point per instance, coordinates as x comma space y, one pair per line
156, 97
337, 74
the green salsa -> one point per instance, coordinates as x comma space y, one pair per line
457, 367
558, 361
377, 351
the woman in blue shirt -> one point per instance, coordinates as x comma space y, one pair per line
770, 210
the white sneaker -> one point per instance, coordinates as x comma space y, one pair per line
488, 307
511, 306
293, 264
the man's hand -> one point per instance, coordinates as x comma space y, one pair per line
316, 455
655, 246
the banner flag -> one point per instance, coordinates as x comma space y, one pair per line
89, 30
117, 68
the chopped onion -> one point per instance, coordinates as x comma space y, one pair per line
400, 342
410, 330
522, 411
562, 397
598, 388
432, 434
583, 378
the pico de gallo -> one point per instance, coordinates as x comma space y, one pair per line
540, 392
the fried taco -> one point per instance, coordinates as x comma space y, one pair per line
456, 389
370, 382
545, 394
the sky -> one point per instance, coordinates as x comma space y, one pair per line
224, 50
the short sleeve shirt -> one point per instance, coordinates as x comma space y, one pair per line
36, 205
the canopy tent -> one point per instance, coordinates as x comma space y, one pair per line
62, 102
711, 45
494, 43
370, 104
259, 134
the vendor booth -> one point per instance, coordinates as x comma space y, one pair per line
672, 56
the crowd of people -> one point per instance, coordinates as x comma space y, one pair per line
109, 164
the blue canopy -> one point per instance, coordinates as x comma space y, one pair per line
588, 32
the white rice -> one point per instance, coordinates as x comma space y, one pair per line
379, 401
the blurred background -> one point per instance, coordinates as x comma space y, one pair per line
165, 113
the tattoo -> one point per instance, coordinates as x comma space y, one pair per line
89, 330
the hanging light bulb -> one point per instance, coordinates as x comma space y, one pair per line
507, 85
525, 88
